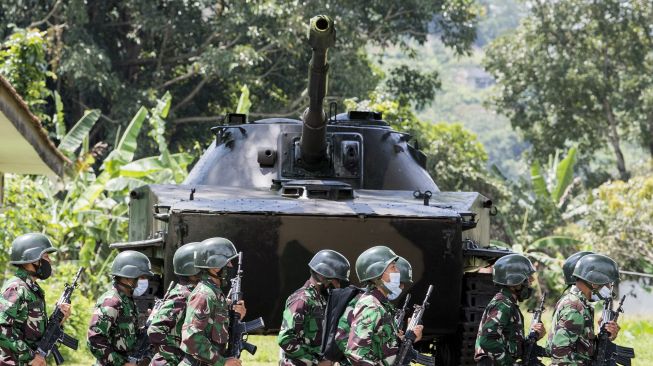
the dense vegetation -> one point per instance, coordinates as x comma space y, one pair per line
552, 130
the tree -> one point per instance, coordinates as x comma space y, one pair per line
578, 71
117, 54
618, 222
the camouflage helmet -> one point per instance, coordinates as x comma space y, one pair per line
570, 264
597, 269
215, 253
406, 270
373, 262
29, 248
183, 261
512, 270
330, 264
131, 264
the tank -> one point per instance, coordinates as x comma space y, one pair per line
282, 189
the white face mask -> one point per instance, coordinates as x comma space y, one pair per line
393, 286
141, 288
603, 293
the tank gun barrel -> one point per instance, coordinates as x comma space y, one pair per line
321, 36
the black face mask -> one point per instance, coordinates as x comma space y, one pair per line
45, 270
524, 292
226, 274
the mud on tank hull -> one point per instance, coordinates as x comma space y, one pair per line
278, 236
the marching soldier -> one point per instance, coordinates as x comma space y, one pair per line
569, 266
112, 333
373, 338
501, 331
342, 335
22, 305
167, 320
205, 331
572, 339
300, 335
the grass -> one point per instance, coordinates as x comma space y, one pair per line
635, 332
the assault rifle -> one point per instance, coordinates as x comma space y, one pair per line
399, 319
238, 330
608, 353
143, 349
406, 352
532, 351
54, 332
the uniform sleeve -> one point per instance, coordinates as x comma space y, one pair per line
164, 321
99, 342
491, 337
360, 347
565, 334
13, 313
291, 335
194, 340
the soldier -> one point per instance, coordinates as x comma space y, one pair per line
112, 332
572, 339
22, 305
373, 338
300, 335
205, 331
501, 331
405, 272
167, 320
569, 266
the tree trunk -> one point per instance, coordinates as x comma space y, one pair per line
613, 137
650, 132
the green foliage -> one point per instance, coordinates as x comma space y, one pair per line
88, 209
118, 55
618, 222
23, 63
411, 85
576, 72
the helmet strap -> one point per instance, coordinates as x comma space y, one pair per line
129, 287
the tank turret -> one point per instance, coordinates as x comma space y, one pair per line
313, 144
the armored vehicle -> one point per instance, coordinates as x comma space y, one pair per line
282, 189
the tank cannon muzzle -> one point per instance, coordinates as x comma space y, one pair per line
313, 146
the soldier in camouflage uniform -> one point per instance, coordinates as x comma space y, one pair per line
168, 317
113, 330
300, 335
501, 331
373, 337
205, 331
22, 305
342, 335
572, 339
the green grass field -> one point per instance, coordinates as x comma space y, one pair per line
635, 332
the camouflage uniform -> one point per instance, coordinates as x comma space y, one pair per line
501, 331
300, 335
571, 341
113, 328
373, 336
22, 319
165, 328
205, 332
344, 326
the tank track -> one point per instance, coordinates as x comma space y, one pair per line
478, 290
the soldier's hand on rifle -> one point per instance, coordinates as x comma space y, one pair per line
540, 330
613, 329
325, 363
239, 307
418, 332
232, 362
38, 360
129, 364
65, 309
